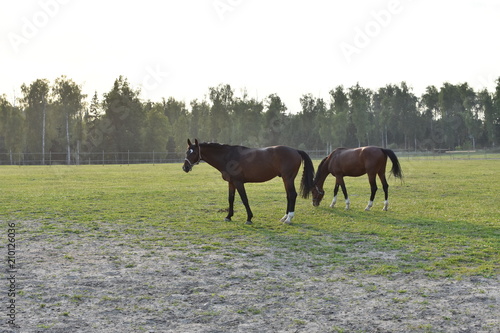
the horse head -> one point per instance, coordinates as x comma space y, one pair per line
317, 195
193, 155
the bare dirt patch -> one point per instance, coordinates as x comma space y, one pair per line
79, 283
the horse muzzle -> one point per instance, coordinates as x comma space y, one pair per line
187, 167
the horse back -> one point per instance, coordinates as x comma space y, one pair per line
356, 162
262, 164
283, 159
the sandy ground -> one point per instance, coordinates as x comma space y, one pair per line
81, 284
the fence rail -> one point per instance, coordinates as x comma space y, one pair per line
55, 158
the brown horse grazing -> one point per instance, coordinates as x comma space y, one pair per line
354, 163
239, 165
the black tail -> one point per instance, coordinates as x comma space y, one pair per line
306, 184
396, 167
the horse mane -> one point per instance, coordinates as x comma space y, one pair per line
213, 144
338, 150
318, 169
220, 145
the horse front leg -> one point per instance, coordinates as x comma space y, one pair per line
243, 195
340, 181
232, 191
335, 192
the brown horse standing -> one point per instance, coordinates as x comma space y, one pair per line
354, 163
239, 165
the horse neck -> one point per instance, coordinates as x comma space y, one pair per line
213, 154
322, 172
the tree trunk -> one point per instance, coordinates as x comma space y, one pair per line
68, 150
43, 130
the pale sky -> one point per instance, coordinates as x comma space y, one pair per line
180, 48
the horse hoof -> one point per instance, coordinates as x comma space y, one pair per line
287, 222
367, 209
227, 219
248, 222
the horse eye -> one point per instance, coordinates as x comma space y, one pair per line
191, 151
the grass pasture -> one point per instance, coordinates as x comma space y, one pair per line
148, 243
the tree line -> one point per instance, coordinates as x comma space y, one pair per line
57, 118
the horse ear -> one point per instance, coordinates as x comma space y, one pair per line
189, 143
196, 142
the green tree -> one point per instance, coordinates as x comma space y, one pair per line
11, 131
200, 116
174, 109
125, 116
69, 99
429, 103
383, 110
94, 129
275, 121
308, 126
156, 128
339, 106
247, 120
35, 103
470, 114
486, 102
450, 123
361, 112
495, 114
220, 112
456, 105
177, 114
406, 113
323, 125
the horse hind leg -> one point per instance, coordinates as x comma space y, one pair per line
287, 219
290, 211
340, 181
231, 195
373, 185
291, 198
385, 186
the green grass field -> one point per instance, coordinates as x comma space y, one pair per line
443, 220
